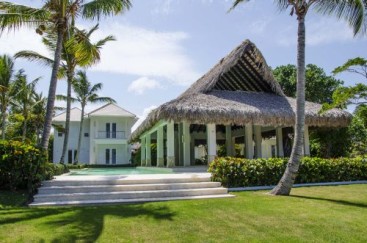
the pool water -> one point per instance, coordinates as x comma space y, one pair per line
119, 171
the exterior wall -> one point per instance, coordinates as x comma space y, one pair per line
93, 147
73, 142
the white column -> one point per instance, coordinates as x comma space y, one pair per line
143, 151
211, 141
279, 138
229, 143
160, 148
258, 141
306, 142
148, 150
249, 146
186, 143
170, 144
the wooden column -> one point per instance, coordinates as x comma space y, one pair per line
279, 138
186, 140
143, 151
160, 147
249, 147
229, 143
170, 144
148, 150
258, 141
306, 142
211, 141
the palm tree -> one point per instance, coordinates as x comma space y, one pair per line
85, 93
6, 82
78, 50
39, 114
350, 10
24, 98
57, 15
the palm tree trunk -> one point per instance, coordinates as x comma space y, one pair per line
52, 90
286, 182
76, 159
24, 130
3, 125
67, 122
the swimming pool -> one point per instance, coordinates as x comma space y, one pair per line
119, 171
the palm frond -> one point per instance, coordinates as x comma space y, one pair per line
102, 100
33, 56
97, 8
14, 16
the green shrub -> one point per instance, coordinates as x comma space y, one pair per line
236, 172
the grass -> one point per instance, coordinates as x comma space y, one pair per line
314, 214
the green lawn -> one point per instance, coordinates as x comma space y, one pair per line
316, 214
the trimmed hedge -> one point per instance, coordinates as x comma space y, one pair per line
24, 166
239, 172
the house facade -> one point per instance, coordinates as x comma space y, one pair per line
237, 109
104, 137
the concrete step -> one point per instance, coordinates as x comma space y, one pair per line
128, 194
124, 181
130, 187
127, 201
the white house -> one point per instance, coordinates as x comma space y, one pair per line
104, 139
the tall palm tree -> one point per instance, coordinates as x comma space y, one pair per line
85, 93
78, 50
24, 98
6, 82
39, 113
57, 15
351, 10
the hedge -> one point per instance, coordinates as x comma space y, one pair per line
24, 166
239, 172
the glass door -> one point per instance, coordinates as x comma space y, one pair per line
113, 130
114, 156
107, 156
108, 130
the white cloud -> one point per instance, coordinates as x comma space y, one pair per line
319, 31
142, 117
162, 7
144, 52
142, 84
22, 39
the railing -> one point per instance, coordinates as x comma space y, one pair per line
111, 135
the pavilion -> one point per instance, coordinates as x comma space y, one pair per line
237, 101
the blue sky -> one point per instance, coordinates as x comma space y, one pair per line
165, 45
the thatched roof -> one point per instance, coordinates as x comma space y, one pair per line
239, 90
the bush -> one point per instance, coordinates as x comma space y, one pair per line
237, 172
23, 166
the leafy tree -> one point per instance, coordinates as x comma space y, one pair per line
353, 12
57, 15
319, 86
85, 93
78, 50
6, 83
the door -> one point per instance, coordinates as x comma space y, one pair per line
70, 156
113, 130
114, 156
108, 128
107, 156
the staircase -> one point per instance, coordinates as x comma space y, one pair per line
69, 190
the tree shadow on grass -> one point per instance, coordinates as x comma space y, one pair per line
70, 224
342, 202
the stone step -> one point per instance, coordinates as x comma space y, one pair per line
127, 201
128, 195
124, 181
114, 188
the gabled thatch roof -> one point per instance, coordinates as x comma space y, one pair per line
239, 90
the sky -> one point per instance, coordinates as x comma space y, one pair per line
163, 46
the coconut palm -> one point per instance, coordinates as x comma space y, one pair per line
85, 93
351, 10
57, 15
78, 50
6, 82
24, 98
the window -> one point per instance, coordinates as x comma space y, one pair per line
107, 156
114, 156
59, 134
70, 156
86, 134
113, 130
108, 126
